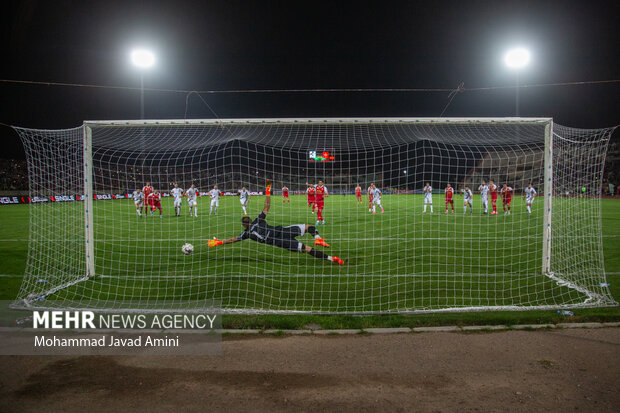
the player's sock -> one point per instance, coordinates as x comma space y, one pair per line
424, 207
320, 254
528, 209
431, 208
465, 209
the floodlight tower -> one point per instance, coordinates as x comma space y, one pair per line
142, 59
517, 59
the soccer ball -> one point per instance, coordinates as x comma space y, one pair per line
187, 248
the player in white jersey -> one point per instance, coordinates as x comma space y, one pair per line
244, 197
469, 200
484, 193
428, 196
376, 199
138, 200
192, 200
177, 193
530, 194
215, 199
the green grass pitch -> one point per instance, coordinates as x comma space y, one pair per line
402, 260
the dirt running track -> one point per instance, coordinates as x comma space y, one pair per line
558, 370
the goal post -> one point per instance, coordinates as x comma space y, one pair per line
548, 198
88, 202
404, 249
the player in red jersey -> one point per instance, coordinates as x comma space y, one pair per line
146, 190
285, 194
358, 194
155, 203
493, 189
506, 198
310, 193
369, 192
319, 200
449, 191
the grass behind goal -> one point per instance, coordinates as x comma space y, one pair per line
416, 262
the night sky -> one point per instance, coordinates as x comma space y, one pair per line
236, 45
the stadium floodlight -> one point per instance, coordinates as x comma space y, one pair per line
517, 58
142, 58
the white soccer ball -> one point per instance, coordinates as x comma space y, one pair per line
187, 248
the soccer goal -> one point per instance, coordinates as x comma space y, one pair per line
519, 229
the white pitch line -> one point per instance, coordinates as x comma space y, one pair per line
312, 275
330, 238
353, 276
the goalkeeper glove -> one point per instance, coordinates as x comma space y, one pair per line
268, 191
214, 242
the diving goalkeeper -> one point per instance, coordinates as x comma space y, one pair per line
283, 237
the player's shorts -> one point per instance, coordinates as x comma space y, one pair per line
469, 201
285, 237
485, 200
449, 200
358, 194
506, 200
177, 202
285, 194
244, 202
191, 202
428, 199
493, 197
320, 204
529, 199
376, 201
138, 204
215, 202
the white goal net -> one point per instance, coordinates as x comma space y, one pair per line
522, 230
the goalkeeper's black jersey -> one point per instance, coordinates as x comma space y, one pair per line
260, 231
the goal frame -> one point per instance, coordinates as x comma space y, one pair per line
88, 178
